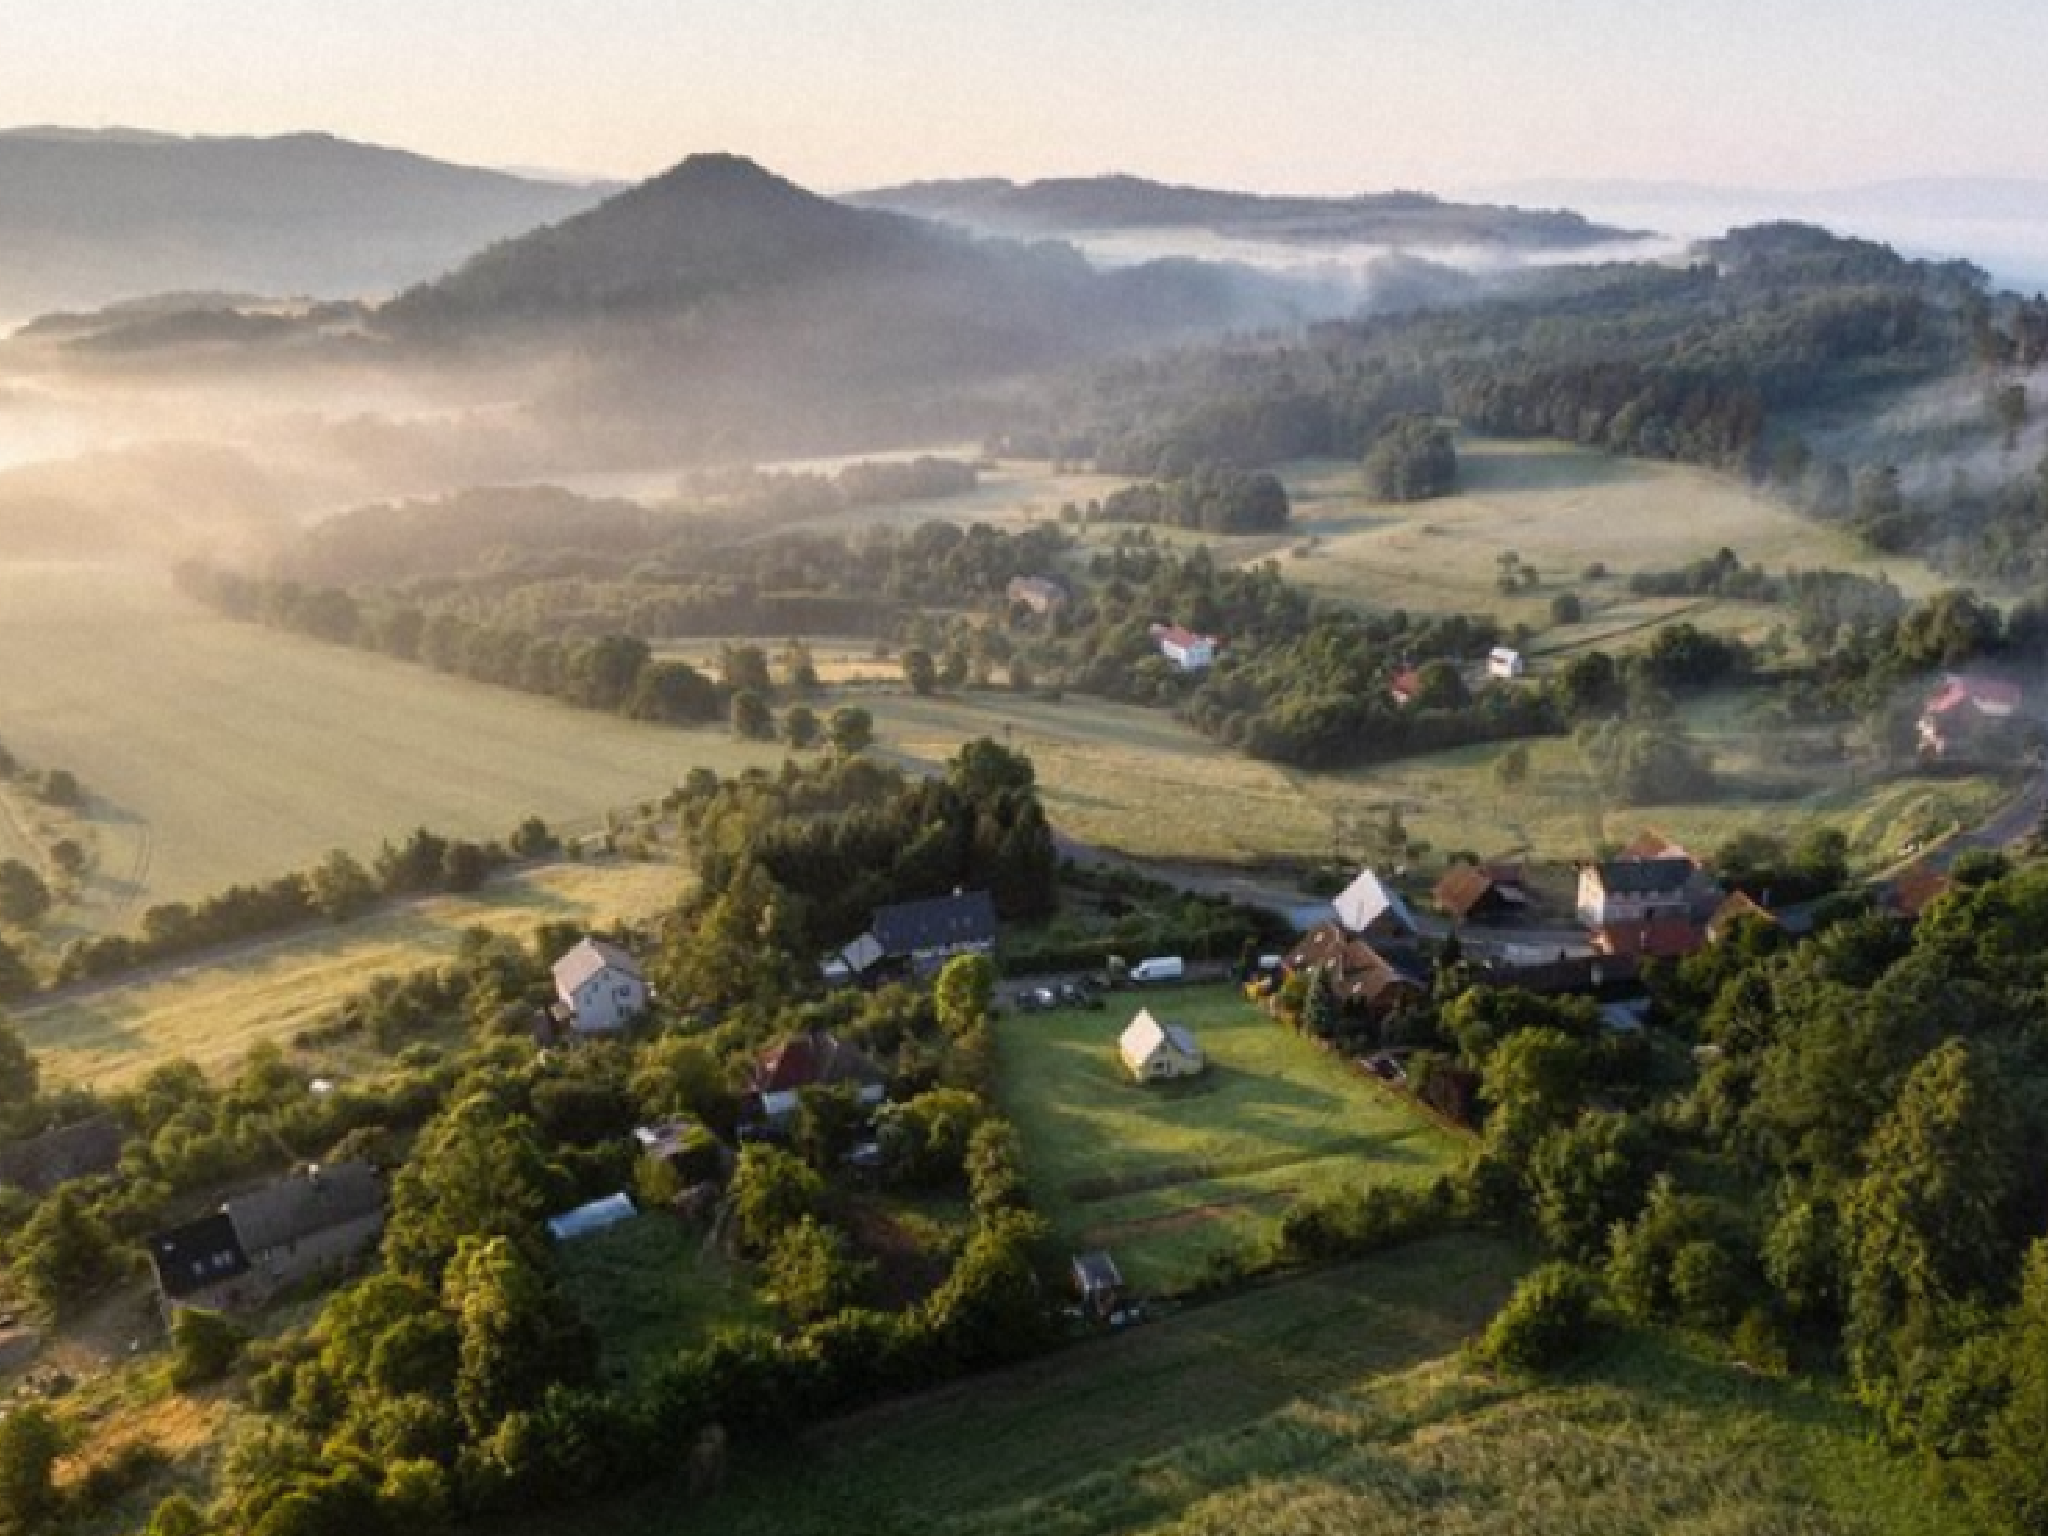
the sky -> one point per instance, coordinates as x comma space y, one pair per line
1308, 95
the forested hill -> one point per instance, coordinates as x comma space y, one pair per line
1101, 204
1710, 363
720, 230
87, 218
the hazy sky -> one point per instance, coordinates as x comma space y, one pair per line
1310, 94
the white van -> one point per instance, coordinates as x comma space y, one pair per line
1159, 968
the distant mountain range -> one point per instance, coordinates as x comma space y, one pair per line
1077, 206
92, 216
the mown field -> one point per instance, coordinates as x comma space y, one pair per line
212, 1011
1169, 1176
216, 752
1333, 1402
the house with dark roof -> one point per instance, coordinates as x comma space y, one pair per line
1099, 1283
917, 937
256, 1244
201, 1264
39, 1164
1618, 891
599, 988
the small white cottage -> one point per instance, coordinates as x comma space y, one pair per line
1155, 1052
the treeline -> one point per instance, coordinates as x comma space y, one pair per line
338, 888
618, 674
1214, 499
530, 528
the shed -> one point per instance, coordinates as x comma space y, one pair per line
594, 1217
1099, 1283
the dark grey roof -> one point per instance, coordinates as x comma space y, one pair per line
305, 1203
198, 1254
944, 922
1096, 1271
1645, 877
40, 1163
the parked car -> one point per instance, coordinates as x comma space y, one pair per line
1037, 1000
1382, 1065
1157, 968
1075, 994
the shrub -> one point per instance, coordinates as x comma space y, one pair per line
203, 1347
1546, 1322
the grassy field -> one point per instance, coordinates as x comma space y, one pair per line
1560, 508
216, 752
1168, 1176
212, 1013
1328, 1403
1139, 781
652, 1286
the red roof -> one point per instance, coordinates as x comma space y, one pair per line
1985, 693
1661, 938
1649, 845
1915, 887
807, 1060
1173, 634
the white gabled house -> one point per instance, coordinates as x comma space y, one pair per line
1505, 663
600, 987
1154, 1052
1372, 909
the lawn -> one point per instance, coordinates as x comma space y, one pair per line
217, 752
1330, 1402
652, 1286
1169, 1176
212, 1012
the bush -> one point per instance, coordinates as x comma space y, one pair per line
1546, 1322
203, 1347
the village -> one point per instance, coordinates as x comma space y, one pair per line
1354, 982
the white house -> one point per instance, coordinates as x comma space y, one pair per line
600, 987
1372, 909
1505, 663
1623, 891
1154, 1051
1184, 648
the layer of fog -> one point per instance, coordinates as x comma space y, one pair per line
2001, 226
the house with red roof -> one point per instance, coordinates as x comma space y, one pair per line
1968, 715
1184, 648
